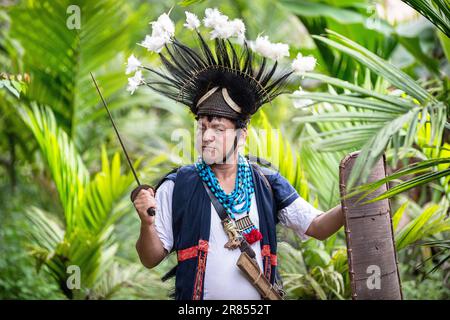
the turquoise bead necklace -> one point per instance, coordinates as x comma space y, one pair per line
239, 200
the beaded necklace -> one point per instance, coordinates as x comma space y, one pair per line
239, 200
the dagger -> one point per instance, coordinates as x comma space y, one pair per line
150, 211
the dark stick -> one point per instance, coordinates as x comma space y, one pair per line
115, 129
150, 211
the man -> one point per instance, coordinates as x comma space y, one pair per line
222, 89
223, 279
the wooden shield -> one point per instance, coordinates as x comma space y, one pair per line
372, 258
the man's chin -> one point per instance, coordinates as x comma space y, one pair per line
209, 158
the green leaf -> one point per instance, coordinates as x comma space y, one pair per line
60, 58
414, 168
398, 215
423, 225
382, 67
390, 114
412, 183
437, 11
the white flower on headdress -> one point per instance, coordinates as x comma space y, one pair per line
237, 28
280, 50
135, 81
218, 22
298, 101
214, 18
222, 31
163, 30
275, 51
222, 27
302, 64
133, 64
192, 22
262, 46
163, 27
153, 43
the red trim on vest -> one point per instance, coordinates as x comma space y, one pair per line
192, 252
203, 245
187, 253
273, 259
201, 265
269, 260
265, 251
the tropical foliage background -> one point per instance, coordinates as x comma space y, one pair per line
381, 86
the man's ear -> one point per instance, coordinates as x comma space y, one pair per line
242, 136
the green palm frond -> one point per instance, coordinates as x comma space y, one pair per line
443, 254
412, 169
126, 280
47, 233
47, 246
380, 118
60, 56
102, 193
320, 167
266, 142
90, 209
66, 166
437, 11
434, 167
348, 19
396, 217
320, 281
378, 65
431, 221
56, 249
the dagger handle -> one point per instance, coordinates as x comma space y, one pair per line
134, 193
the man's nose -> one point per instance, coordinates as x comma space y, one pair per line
208, 135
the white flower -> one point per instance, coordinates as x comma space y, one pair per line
280, 50
214, 18
237, 28
222, 31
219, 23
163, 27
222, 27
135, 81
275, 51
262, 46
298, 101
163, 30
153, 43
302, 64
192, 22
133, 64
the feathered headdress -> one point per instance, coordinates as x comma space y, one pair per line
224, 79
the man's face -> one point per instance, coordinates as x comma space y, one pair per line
215, 138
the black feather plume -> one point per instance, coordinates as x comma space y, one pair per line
189, 74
